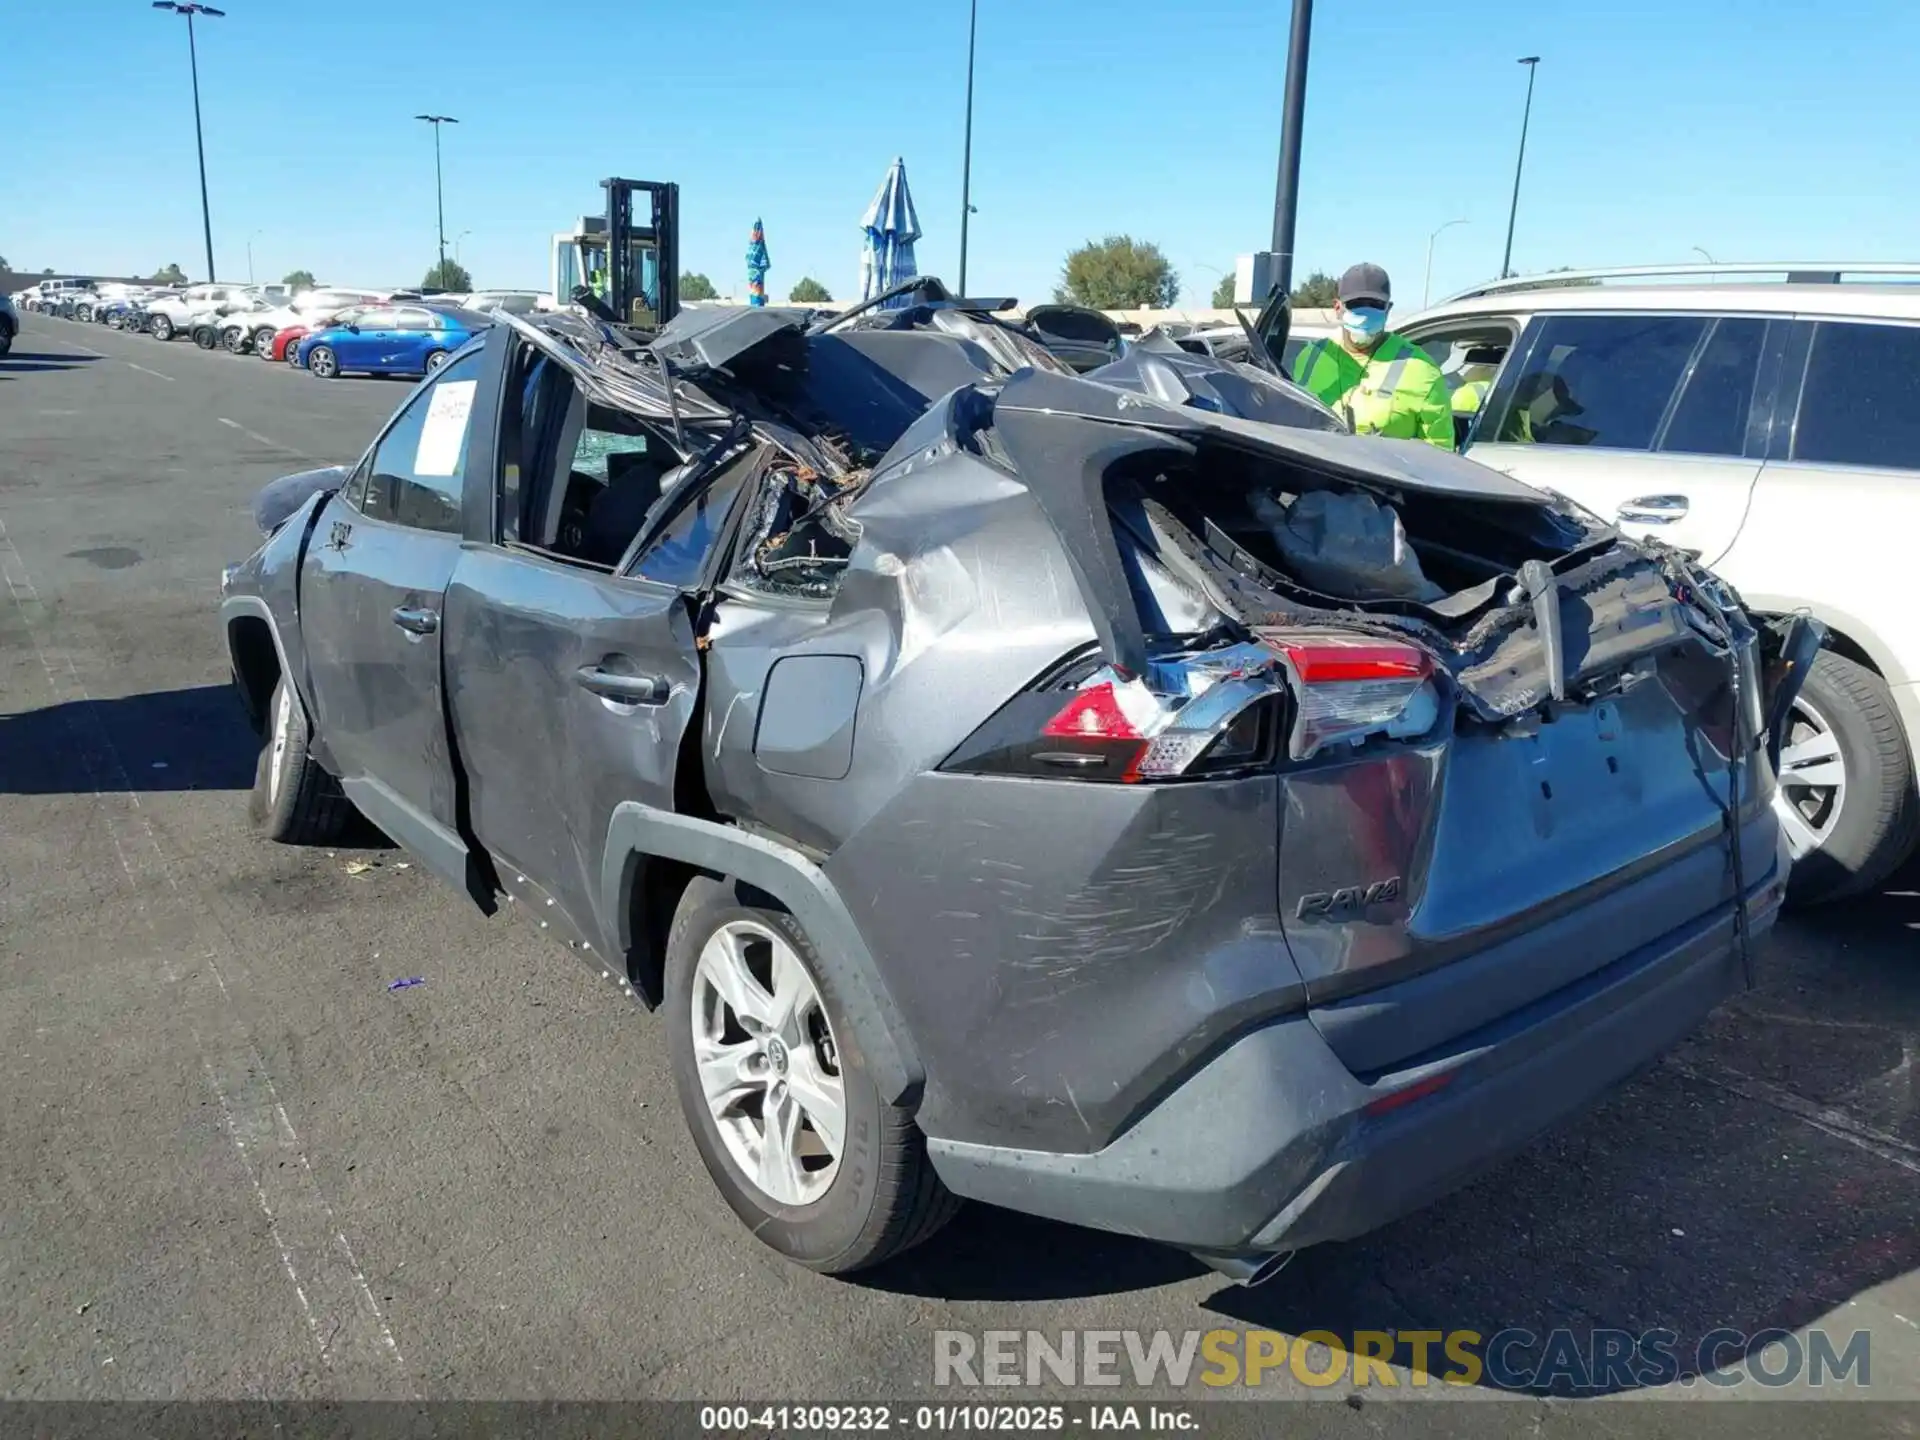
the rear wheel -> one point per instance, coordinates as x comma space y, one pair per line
235, 340
776, 1091
205, 336
435, 359
263, 342
323, 362
1846, 788
162, 328
294, 801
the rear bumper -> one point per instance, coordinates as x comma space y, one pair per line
1270, 1147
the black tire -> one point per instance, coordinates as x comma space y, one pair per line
6, 340
323, 362
435, 360
206, 337
263, 342
161, 328
885, 1197
235, 341
1879, 821
302, 804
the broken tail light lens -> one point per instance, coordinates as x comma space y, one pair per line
1195, 716
1208, 713
1353, 687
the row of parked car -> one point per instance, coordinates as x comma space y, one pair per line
327, 330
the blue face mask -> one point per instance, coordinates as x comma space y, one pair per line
1365, 324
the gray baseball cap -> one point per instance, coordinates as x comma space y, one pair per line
1365, 282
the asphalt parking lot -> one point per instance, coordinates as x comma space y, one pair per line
234, 1162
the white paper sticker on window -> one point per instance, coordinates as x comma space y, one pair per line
443, 438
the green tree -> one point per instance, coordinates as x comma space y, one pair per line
300, 279
1118, 273
809, 292
695, 286
5, 264
448, 275
47, 271
1223, 293
1317, 292
166, 275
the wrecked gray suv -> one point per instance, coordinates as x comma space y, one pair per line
1123, 798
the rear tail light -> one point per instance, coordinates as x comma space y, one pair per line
1208, 713
1353, 687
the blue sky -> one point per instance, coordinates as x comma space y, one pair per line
1752, 128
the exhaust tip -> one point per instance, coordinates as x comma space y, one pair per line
1248, 1268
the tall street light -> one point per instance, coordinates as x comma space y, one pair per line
191, 8
966, 153
1426, 289
1532, 62
439, 193
1293, 107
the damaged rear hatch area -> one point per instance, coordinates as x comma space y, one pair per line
1508, 738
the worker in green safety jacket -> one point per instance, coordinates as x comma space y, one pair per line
1382, 383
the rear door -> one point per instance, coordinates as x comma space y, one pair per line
359, 345
372, 592
572, 685
1656, 422
404, 347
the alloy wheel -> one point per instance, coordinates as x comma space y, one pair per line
769, 1067
282, 732
1812, 781
323, 362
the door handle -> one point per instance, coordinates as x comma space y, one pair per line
627, 689
1653, 509
418, 622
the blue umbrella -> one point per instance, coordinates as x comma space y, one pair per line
890, 227
757, 266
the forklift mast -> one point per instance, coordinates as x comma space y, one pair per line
629, 296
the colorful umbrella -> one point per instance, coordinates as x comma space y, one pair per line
890, 227
758, 264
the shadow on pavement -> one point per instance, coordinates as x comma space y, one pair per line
1761, 1177
20, 361
989, 1254
192, 739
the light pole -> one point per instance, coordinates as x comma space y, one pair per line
1426, 289
1532, 62
439, 191
191, 8
250, 239
966, 152
1286, 191
1701, 251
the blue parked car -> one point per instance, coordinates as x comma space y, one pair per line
401, 340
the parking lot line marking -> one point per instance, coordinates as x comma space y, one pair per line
257, 437
1824, 1118
83, 349
155, 373
303, 1221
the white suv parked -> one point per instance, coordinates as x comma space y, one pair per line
1773, 429
175, 314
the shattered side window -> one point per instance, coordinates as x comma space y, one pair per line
797, 539
678, 552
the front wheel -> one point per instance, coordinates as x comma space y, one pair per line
294, 801
162, 328
323, 362
234, 340
6, 340
1846, 786
776, 1092
205, 336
